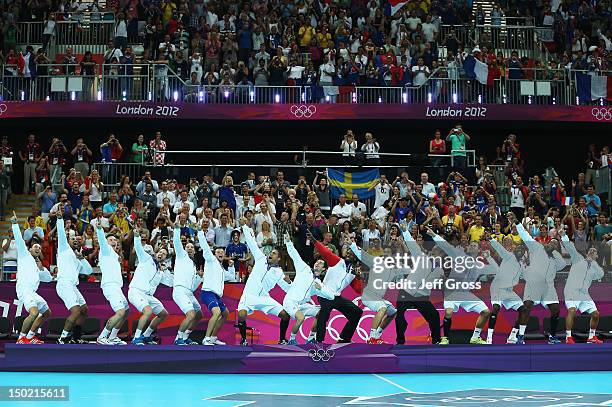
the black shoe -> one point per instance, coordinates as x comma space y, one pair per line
344, 341
244, 343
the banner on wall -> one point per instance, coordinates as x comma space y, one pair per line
305, 111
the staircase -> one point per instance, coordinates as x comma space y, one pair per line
23, 205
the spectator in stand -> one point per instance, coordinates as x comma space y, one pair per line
348, 146
370, 149
30, 155
82, 156
437, 146
458, 138
140, 151
57, 156
5, 187
158, 146
511, 149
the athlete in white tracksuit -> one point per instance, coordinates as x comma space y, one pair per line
298, 301
109, 261
544, 263
147, 276
256, 295
582, 273
213, 283
502, 288
30, 272
373, 298
424, 271
186, 281
69, 266
460, 297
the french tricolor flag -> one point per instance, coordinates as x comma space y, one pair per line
394, 6
593, 87
568, 201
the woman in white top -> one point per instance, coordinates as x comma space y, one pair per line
371, 148
348, 147
93, 187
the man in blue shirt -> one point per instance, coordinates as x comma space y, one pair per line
111, 206
593, 201
33, 230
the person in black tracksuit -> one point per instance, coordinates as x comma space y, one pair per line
339, 275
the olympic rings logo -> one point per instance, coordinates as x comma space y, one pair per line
602, 113
3, 108
303, 111
321, 355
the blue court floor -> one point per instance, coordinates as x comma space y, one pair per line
465, 390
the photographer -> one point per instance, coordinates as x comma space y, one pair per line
111, 153
371, 148
57, 159
348, 147
81, 155
458, 138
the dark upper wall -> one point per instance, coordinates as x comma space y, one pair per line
561, 145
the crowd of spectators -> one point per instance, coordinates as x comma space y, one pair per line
275, 206
321, 43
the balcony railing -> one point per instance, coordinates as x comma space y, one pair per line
157, 82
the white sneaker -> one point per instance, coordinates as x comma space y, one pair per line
104, 341
117, 341
218, 342
207, 342
489, 341
511, 340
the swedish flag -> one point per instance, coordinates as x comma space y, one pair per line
348, 183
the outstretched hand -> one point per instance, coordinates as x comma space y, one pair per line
14, 219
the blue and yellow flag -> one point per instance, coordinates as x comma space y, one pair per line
348, 183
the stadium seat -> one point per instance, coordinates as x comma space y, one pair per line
560, 327
605, 327
533, 331
5, 328
17, 324
580, 330
55, 328
91, 329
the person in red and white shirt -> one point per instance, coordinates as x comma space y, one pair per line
159, 146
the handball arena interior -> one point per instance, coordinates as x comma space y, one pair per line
204, 228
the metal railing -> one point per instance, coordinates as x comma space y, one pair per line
157, 82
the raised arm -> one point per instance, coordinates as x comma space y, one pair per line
140, 253
300, 264
529, 241
501, 250
176, 241
411, 244
105, 249
446, 247
328, 256
365, 257
62, 240
22, 249
571, 249
249, 238
206, 252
